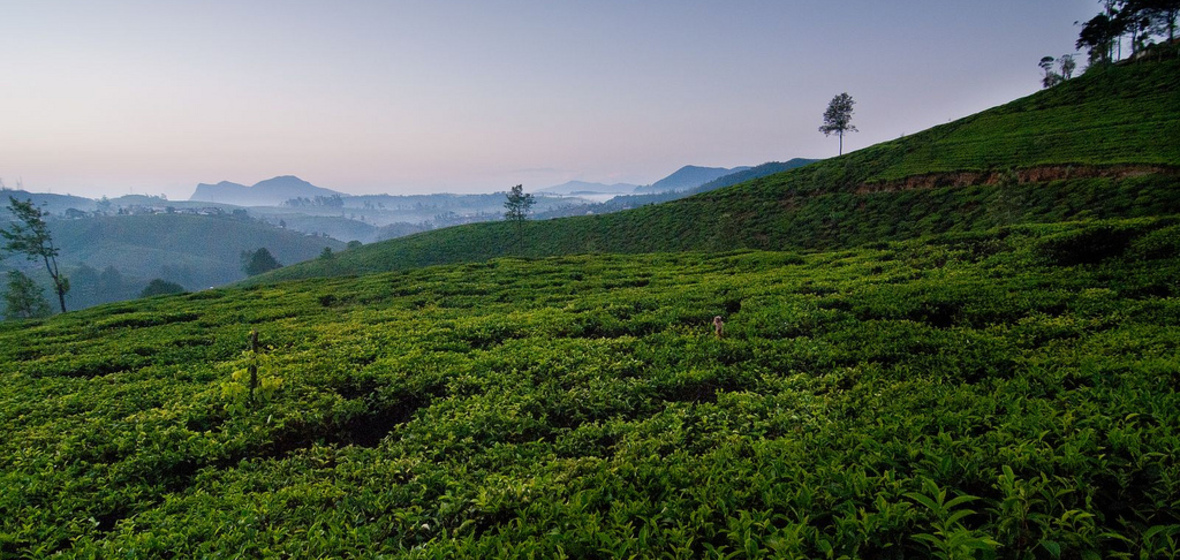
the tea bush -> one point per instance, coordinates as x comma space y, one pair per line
972, 395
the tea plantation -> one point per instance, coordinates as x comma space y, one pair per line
1009, 393
1100, 146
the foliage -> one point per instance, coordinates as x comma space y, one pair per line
1102, 35
1067, 65
29, 235
259, 261
1098, 36
160, 287
968, 394
838, 118
517, 208
518, 204
1050, 78
24, 298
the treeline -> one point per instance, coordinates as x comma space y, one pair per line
1136, 24
25, 296
334, 201
90, 286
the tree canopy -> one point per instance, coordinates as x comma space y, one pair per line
24, 299
259, 261
519, 204
1102, 35
159, 287
838, 118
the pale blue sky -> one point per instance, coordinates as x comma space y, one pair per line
475, 96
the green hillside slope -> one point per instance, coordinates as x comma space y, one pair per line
1009, 394
205, 248
1101, 145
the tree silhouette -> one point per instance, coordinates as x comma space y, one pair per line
159, 287
257, 262
30, 235
517, 209
838, 118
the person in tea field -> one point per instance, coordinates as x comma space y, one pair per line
718, 326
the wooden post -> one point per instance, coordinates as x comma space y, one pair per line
253, 364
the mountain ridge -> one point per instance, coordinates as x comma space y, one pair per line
687, 178
269, 192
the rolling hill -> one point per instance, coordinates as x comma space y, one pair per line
193, 250
209, 245
1100, 145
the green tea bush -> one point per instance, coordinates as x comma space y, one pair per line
959, 395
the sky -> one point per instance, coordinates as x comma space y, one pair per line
407, 97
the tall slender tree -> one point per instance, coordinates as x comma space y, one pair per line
516, 209
838, 118
29, 235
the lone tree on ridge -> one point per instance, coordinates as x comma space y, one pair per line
30, 235
517, 209
838, 118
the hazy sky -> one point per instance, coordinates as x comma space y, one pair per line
475, 96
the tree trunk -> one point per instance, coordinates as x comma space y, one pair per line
51, 267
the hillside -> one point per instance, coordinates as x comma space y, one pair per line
1101, 145
1010, 392
194, 251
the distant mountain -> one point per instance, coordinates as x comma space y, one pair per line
629, 201
687, 178
271, 192
583, 187
751, 173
